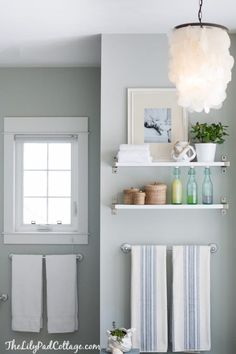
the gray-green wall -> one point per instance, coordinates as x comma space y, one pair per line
142, 61
56, 92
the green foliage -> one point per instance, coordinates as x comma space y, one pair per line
119, 333
209, 133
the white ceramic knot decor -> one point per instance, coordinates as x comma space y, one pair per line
117, 345
183, 152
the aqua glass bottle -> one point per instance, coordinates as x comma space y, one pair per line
176, 188
207, 188
191, 187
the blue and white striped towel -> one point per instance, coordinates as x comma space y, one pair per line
191, 330
149, 298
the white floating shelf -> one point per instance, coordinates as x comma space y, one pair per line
170, 206
174, 164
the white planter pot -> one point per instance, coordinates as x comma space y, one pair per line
205, 152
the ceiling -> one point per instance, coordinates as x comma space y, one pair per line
66, 32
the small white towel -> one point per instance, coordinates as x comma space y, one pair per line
134, 156
191, 330
149, 298
26, 293
134, 147
62, 297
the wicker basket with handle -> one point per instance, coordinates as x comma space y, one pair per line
128, 196
139, 198
155, 193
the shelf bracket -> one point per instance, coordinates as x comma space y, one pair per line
114, 167
224, 168
224, 158
225, 206
113, 208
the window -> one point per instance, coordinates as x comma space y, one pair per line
49, 189
46, 172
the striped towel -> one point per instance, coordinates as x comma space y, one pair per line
191, 299
149, 298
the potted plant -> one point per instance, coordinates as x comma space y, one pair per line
206, 136
119, 340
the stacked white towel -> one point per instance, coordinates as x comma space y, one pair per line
27, 293
62, 297
191, 330
130, 153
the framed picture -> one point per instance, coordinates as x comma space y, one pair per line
155, 118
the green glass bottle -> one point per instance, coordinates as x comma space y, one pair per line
192, 187
207, 188
176, 188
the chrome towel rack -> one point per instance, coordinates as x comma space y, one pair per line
79, 256
126, 247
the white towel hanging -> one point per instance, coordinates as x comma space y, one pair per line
149, 298
27, 293
62, 297
191, 331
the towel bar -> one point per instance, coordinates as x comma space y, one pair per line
79, 256
3, 297
126, 247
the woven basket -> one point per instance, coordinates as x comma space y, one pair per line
128, 196
156, 193
139, 198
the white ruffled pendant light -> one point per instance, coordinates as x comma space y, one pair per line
200, 64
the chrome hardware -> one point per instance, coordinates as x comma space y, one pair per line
79, 256
3, 297
126, 247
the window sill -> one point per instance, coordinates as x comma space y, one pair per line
46, 238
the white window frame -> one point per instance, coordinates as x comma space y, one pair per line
35, 127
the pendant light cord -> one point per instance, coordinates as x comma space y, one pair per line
200, 12
200, 23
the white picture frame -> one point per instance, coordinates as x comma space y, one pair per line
154, 117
